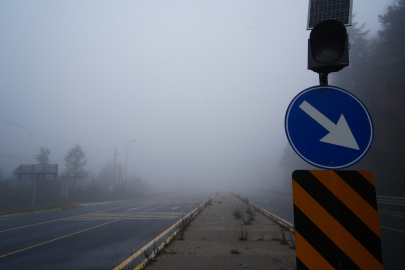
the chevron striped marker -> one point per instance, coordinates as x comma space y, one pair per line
336, 220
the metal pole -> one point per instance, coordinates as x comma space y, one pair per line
119, 175
35, 190
126, 159
115, 159
138, 185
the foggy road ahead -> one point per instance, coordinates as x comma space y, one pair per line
90, 237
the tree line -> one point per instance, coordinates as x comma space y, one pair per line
74, 162
16, 196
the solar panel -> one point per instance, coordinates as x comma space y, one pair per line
321, 10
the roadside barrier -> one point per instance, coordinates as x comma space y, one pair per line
195, 211
274, 217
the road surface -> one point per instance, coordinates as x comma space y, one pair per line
95, 236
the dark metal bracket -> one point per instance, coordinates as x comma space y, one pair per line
323, 78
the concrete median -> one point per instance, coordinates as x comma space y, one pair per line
229, 234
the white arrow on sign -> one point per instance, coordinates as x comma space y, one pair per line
339, 134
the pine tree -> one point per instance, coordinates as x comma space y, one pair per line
75, 162
42, 157
377, 76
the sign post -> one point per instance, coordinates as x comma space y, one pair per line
335, 211
36, 172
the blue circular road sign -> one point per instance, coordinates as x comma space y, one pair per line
329, 127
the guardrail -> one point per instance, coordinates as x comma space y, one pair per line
384, 203
274, 217
391, 203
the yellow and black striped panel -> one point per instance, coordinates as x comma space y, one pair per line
336, 220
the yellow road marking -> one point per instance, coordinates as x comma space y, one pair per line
40, 244
56, 239
142, 265
136, 208
150, 215
391, 215
66, 218
168, 217
136, 254
392, 229
153, 218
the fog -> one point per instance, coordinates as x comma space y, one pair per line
201, 86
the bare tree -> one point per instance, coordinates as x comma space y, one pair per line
75, 162
42, 157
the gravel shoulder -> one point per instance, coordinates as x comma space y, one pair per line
215, 232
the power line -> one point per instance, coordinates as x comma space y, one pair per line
22, 157
49, 137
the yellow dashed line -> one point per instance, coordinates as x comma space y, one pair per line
56, 239
40, 244
136, 254
66, 218
392, 229
107, 216
391, 215
136, 208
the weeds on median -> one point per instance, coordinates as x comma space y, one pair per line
250, 213
283, 238
285, 234
182, 226
118, 261
292, 245
242, 232
237, 211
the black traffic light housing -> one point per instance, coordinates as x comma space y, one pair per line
328, 49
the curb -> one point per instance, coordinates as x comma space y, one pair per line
278, 219
160, 236
35, 212
281, 221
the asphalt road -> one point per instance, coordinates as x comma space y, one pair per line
392, 225
95, 236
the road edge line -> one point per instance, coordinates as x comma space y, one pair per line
136, 254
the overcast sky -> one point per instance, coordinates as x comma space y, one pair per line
202, 86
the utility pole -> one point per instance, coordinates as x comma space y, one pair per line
139, 186
119, 175
115, 160
126, 159
35, 190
